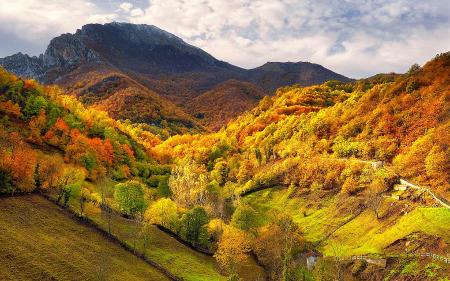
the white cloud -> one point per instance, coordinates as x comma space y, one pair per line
352, 37
38, 20
137, 12
126, 6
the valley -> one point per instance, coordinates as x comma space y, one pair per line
129, 154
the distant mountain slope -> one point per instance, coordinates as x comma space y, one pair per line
159, 60
274, 75
227, 100
124, 98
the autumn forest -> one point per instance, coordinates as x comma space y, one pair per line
110, 171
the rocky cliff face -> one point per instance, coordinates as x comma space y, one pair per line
67, 51
24, 65
63, 54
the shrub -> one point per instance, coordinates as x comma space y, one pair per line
245, 218
413, 69
412, 86
5, 182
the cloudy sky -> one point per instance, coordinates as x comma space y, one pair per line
354, 37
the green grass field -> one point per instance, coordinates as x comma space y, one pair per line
40, 242
333, 225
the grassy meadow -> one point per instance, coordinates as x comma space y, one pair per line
335, 221
39, 242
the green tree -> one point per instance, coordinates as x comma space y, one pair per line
130, 197
413, 69
33, 105
192, 226
68, 183
245, 218
163, 212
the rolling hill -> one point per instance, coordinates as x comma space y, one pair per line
224, 102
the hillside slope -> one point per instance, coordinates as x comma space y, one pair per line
330, 157
123, 98
224, 102
39, 242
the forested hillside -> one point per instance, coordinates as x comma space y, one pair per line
310, 172
312, 155
403, 123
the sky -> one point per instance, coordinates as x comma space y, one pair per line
357, 38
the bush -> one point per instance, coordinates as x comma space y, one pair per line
412, 86
413, 69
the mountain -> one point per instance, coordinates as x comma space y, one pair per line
323, 170
162, 63
274, 75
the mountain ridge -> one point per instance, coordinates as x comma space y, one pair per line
176, 71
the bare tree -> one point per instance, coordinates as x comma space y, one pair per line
375, 198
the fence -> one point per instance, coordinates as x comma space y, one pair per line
443, 259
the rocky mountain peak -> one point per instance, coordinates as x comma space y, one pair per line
68, 50
23, 65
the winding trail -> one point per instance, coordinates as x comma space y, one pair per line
437, 198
